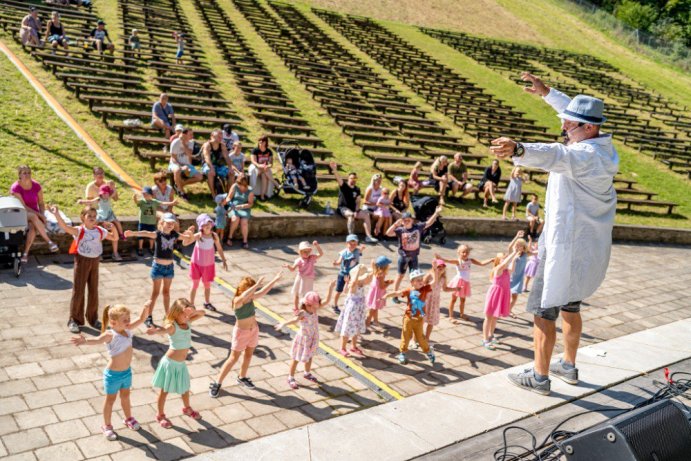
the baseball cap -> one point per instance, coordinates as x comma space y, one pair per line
417, 273
179, 127
169, 217
105, 189
148, 190
382, 261
101, 22
406, 215
352, 237
203, 219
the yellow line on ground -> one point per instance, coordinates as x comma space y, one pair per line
327, 349
68, 119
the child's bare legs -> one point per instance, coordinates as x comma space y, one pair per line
125, 402
308, 366
155, 290
161, 403
246, 362
166, 294
118, 227
452, 304
353, 341
108, 408
527, 281
461, 309
186, 399
228, 365
428, 331
234, 223
207, 293
193, 290
336, 296
487, 328
506, 208
293, 367
378, 226
344, 342
375, 316
514, 297
513, 210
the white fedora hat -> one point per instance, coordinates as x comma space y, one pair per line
584, 109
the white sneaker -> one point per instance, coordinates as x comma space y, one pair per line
371, 239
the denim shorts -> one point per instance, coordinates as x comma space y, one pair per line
221, 171
161, 271
407, 261
113, 381
534, 303
340, 282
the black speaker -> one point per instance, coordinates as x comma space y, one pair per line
657, 432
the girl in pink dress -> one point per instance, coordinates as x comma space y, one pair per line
461, 281
383, 212
432, 313
498, 299
377, 289
306, 341
304, 279
203, 260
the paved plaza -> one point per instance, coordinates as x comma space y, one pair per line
51, 391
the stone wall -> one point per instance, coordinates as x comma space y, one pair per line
287, 225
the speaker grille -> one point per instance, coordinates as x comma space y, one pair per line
663, 434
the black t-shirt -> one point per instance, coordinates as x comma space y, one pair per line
55, 30
347, 196
263, 157
165, 243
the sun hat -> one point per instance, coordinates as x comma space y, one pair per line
352, 237
584, 109
179, 127
406, 215
311, 297
148, 190
417, 273
382, 261
304, 246
169, 217
439, 262
105, 189
203, 219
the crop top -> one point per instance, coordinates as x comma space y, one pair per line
165, 244
181, 339
119, 343
245, 311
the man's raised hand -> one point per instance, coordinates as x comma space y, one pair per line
537, 86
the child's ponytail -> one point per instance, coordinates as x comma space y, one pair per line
105, 319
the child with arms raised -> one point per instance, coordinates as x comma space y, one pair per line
347, 260
306, 341
461, 281
351, 321
172, 374
498, 299
377, 289
117, 376
203, 260
304, 279
105, 213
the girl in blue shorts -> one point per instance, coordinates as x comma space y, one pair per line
117, 376
163, 267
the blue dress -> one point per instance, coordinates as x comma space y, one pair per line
241, 198
518, 274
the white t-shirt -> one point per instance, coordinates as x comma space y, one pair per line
90, 244
177, 150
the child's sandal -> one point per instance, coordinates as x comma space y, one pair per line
191, 413
109, 433
292, 383
164, 421
132, 423
310, 377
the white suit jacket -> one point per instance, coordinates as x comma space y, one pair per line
576, 241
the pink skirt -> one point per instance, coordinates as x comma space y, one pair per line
461, 286
498, 301
302, 286
304, 346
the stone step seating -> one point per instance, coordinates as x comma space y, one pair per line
355, 96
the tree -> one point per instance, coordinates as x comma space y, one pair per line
634, 14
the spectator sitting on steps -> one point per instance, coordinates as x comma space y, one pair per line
349, 203
30, 29
184, 173
163, 115
98, 38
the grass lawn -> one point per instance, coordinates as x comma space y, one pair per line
36, 136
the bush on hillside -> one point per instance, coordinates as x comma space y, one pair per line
634, 14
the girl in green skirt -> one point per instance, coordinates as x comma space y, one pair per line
172, 374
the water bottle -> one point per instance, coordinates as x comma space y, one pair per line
327, 210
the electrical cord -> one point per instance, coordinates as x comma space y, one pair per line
677, 386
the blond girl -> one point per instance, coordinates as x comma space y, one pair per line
513, 196
351, 322
117, 376
439, 284
377, 289
461, 281
304, 279
172, 374
498, 299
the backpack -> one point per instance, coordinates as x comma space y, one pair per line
80, 236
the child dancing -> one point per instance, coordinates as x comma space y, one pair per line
105, 213
351, 322
117, 376
203, 261
461, 281
304, 279
498, 299
347, 259
306, 340
172, 374
377, 289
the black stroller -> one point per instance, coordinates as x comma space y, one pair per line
304, 167
13, 225
424, 208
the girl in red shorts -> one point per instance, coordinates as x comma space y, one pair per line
246, 331
203, 262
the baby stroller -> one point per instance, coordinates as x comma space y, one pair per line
424, 208
13, 225
305, 167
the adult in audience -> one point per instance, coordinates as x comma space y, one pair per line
93, 188
349, 198
260, 169
30, 193
98, 38
230, 137
215, 159
373, 192
490, 181
162, 115
439, 176
575, 246
458, 176
55, 33
237, 161
30, 30
400, 199
163, 192
241, 198
184, 173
